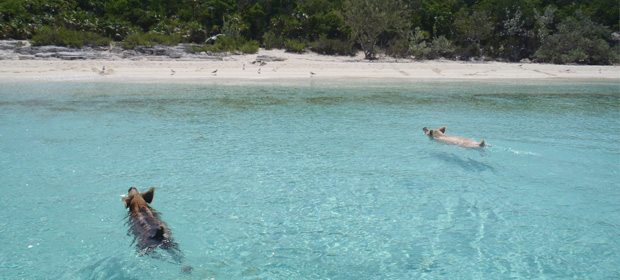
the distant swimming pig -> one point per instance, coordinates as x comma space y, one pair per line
439, 135
146, 226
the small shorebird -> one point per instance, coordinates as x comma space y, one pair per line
312, 74
262, 63
258, 70
172, 72
214, 73
244, 66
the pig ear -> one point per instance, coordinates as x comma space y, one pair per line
443, 129
148, 195
127, 201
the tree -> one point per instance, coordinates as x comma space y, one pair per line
578, 40
544, 21
474, 27
368, 19
436, 16
256, 19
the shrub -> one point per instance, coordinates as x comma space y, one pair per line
293, 45
150, 40
441, 47
398, 48
249, 47
117, 29
418, 46
332, 47
198, 48
224, 44
271, 41
233, 26
69, 38
194, 32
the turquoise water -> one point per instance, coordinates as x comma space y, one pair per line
313, 179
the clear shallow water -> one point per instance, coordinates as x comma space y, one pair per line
313, 179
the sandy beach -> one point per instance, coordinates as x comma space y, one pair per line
294, 66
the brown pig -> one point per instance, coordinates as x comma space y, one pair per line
148, 229
439, 135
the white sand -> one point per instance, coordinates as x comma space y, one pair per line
296, 66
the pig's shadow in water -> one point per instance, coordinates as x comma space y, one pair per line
467, 164
106, 268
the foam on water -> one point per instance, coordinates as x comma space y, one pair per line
313, 179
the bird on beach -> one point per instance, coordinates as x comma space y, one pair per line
244, 66
258, 70
214, 73
312, 74
172, 72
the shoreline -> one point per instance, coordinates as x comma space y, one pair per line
281, 65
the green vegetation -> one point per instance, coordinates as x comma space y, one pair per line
293, 45
271, 41
578, 40
227, 44
576, 31
150, 40
68, 38
369, 19
249, 47
332, 47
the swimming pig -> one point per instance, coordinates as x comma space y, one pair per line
146, 226
439, 135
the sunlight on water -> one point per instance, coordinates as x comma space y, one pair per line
313, 179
